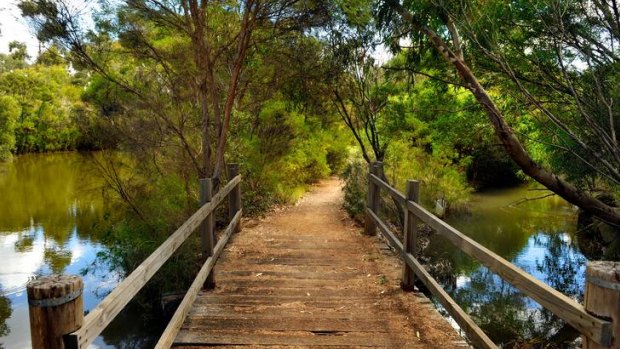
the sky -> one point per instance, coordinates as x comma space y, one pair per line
13, 27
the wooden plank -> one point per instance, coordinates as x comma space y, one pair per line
99, 318
387, 233
283, 284
311, 291
410, 235
398, 196
234, 198
207, 227
262, 268
296, 253
327, 275
287, 305
372, 200
292, 261
474, 332
314, 245
287, 324
167, 337
357, 339
268, 237
253, 317
227, 298
561, 305
251, 311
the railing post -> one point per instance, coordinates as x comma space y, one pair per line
369, 225
207, 236
376, 198
56, 309
234, 198
602, 298
410, 234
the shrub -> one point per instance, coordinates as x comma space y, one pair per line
355, 188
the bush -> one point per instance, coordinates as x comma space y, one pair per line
355, 188
282, 153
441, 180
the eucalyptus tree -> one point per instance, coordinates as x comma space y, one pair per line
559, 58
178, 65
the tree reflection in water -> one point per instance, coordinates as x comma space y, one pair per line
537, 236
508, 316
5, 313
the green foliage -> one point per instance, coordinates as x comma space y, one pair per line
284, 151
16, 59
9, 112
46, 98
355, 176
167, 206
441, 181
42, 109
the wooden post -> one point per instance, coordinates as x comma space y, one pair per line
234, 198
602, 299
410, 234
207, 236
56, 308
376, 194
369, 225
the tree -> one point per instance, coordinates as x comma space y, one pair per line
47, 108
16, 59
512, 145
9, 112
192, 54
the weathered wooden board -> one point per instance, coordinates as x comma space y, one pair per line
285, 275
357, 339
398, 196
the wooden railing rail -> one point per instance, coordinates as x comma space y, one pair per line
84, 330
597, 330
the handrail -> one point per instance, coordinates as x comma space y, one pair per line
99, 318
558, 303
398, 196
595, 328
167, 337
474, 332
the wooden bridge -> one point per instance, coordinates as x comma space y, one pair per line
303, 278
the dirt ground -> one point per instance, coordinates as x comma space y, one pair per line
305, 276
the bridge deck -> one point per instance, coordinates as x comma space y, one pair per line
305, 277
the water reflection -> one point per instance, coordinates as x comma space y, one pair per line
48, 206
535, 235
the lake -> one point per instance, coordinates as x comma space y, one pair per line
49, 205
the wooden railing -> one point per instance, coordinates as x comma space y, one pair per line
56, 310
602, 277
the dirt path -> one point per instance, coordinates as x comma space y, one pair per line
304, 276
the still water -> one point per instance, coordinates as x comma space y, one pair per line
539, 237
49, 205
